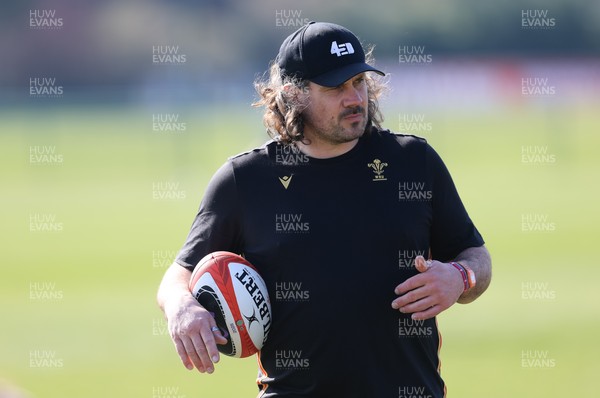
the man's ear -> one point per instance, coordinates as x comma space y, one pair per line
294, 92
288, 87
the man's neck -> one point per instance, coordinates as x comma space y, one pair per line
325, 150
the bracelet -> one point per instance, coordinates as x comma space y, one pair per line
463, 273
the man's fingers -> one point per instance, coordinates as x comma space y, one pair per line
183, 354
208, 336
217, 333
202, 348
429, 313
421, 265
418, 280
410, 284
199, 351
195, 335
219, 338
430, 292
418, 306
411, 300
193, 353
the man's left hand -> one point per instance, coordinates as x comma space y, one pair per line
437, 287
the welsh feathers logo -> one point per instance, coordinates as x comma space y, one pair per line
341, 49
377, 166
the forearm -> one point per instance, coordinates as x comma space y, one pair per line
479, 260
174, 285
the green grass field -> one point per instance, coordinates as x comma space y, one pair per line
78, 303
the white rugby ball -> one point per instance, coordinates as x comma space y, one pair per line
229, 287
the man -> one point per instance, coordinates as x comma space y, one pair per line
336, 214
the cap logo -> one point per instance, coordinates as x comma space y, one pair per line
341, 49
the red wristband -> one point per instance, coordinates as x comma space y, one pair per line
463, 273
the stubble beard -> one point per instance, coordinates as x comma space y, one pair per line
334, 132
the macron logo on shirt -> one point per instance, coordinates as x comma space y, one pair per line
285, 181
341, 49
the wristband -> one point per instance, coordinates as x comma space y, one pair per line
463, 273
470, 275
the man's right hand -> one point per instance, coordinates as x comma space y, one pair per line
190, 325
190, 329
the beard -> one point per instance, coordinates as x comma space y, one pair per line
337, 130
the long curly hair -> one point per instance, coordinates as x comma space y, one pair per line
284, 106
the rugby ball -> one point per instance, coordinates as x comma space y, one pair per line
229, 287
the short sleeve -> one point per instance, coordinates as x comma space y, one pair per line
452, 230
217, 224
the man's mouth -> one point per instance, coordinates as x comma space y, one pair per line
354, 115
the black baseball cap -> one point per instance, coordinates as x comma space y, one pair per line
324, 53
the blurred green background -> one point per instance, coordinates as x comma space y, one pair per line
97, 196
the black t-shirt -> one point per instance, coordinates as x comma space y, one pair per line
332, 238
